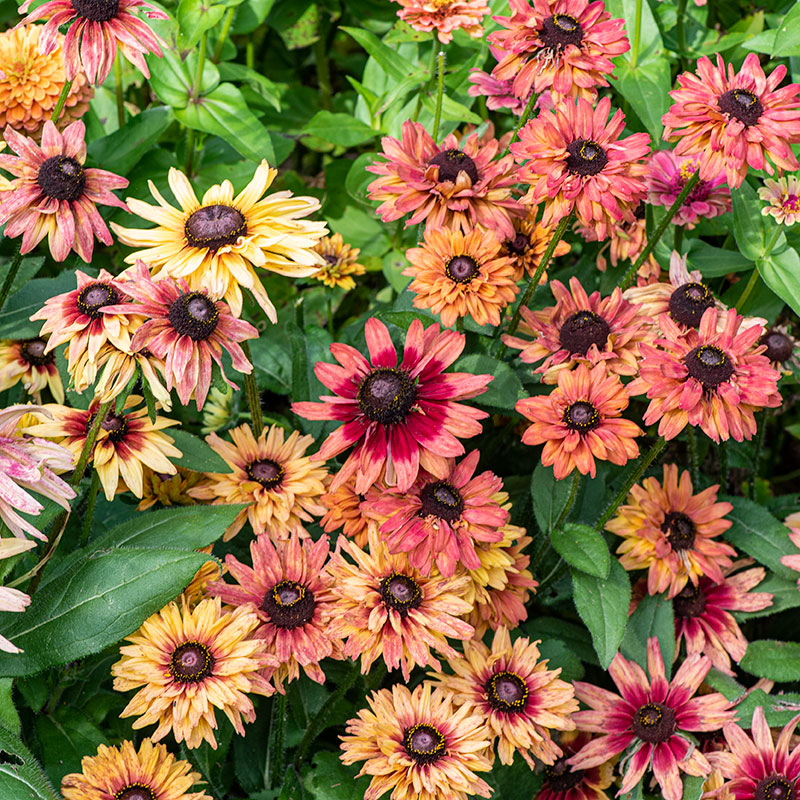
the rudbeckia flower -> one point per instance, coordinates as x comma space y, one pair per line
27, 361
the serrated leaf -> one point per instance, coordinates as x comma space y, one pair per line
603, 607
505, 388
197, 455
777, 661
549, 497
8, 714
582, 547
95, 604
21, 777
653, 617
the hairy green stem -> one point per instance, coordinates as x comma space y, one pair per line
91, 500
62, 98
694, 463
323, 73
12, 273
439, 95
774, 238
743, 297
201, 62
253, 397
573, 493
118, 90
460, 324
638, 470
427, 83
630, 275
528, 110
276, 749
223, 34
637, 34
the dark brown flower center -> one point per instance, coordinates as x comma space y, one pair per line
461, 269
215, 226
441, 499
289, 604
689, 602
194, 315
191, 662
709, 365
95, 296
640, 212
424, 743
775, 787
386, 395
135, 791
581, 417
114, 424
585, 157
96, 10
779, 346
62, 178
688, 302
654, 722
506, 691
560, 30
742, 105
519, 245
266, 472
400, 593
561, 777
680, 530
331, 259
580, 331
451, 162
32, 350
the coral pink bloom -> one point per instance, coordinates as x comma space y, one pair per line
188, 329
703, 618
651, 717
714, 380
27, 464
441, 520
97, 26
455, 185
445, 16
572, 158
400, 417
735, 120
53, 195
565, 46
759, 768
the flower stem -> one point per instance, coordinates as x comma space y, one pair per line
439, 95
723, 466
771, 243
90, 504
630, 275
638, 470
201, 62
747, 290
223, 34
62, 98
323, 73
573, 493
118, 90
637, 34
12, 273
529, 106
424, 87
253, 398
680, 31
276, 749
694, 463
330, 315
530, 289
460, 324
189, 152
761, 421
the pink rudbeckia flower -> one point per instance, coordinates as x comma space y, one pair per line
12, 599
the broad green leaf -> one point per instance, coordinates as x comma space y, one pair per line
250, 15
515, 782
27, 270
760, 535
747, 221
713, 262
9, 717
787, 38
692, 787
120, 151
584, 548
763, 42
646, 88
779, 271
559, 654
230, 71
574, 635
172, 78
94, 605
195, 17
603, 607
358, 178
392, 265
297, 23
503, 391
779, 709
777, 661
14, 319
392, 63
549, 497
650, 37
332, 780
21, 777
197, 455
66, 735
340, 129
451, 109
653, 617
224, 113
272, 360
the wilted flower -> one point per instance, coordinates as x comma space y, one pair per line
341, 263
27, 361
782, 198
11, 599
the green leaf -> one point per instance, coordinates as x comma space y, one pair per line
549, 497
515, 782
692, 787
506, 388
787, 38
575, 636
653, 617
559, 654
451, 109
27, 269
197, 455
65, 736
603, 607
760, 535
392, 63
777, 661
650, 37
332, 780
646, 88
94, 605
584, 548
748, 229
341, 129
9, 717
784, 593
779, 709
230, 71
21, 777
120, 151
714, 262
14, 322
779, 271
224, 113
172, 78
195, 17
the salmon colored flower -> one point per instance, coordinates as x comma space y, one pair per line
527, 247
11, 599
187, 329
521, 700
290, 590
458, 276
441, 520
346, 510
499, 94
455, 185
714, 380
113, 370
782, 198
734, 120
53, 195
27, 361
444, 16
29, 464
703, 619
273, 474
95, 30
563, 782
33, 82
668, 174
418, 746
672, 532
122, 772
579, 421
400, 417
341, 263
651, 718
572, 158
582, 329
384, 608
188, 663
565, 46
